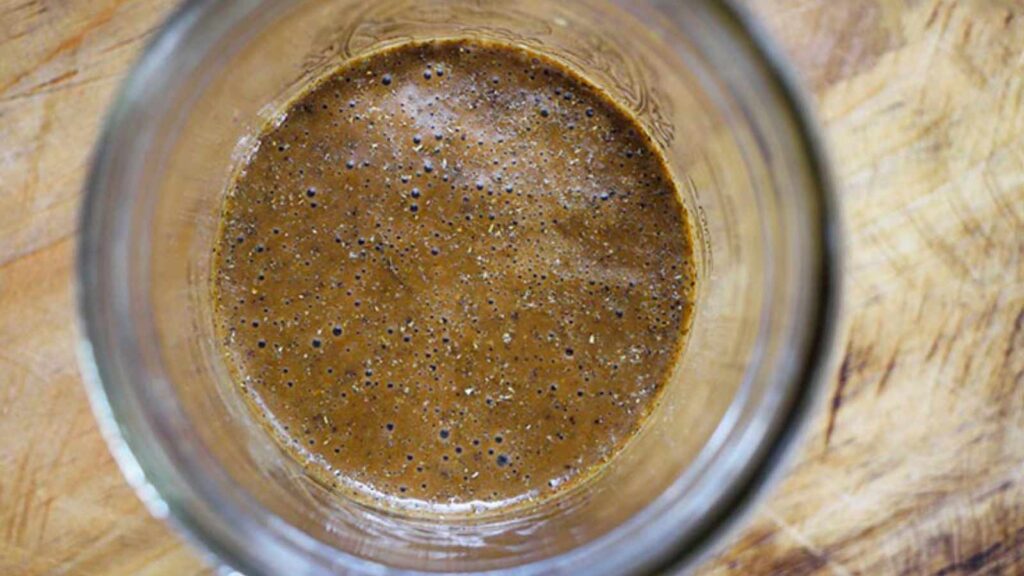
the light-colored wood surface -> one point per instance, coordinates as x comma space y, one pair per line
915, 467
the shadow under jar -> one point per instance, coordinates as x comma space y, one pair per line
749, 175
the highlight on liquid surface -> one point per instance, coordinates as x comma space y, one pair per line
454, 277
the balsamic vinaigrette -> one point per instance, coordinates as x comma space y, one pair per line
455, 276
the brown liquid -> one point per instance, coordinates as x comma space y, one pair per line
455, 276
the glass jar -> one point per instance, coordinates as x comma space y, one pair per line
699, 78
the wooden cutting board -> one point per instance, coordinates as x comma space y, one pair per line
917, 465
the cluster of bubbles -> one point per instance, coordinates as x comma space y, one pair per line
391, 176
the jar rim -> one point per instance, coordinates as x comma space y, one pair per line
163, 491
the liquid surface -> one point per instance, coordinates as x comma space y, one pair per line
455, 276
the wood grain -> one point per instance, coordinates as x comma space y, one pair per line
915, 467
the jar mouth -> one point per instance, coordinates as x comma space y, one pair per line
139, 444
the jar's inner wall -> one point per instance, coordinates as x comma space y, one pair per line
652, 72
